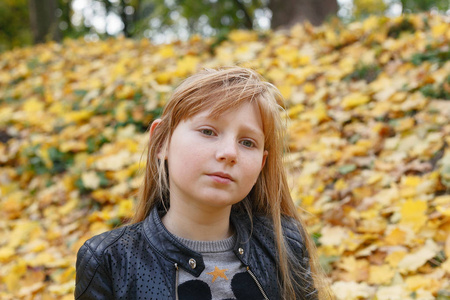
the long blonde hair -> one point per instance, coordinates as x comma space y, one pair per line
222, 90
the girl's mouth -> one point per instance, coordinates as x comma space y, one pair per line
221, 177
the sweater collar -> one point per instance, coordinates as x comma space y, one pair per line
168, 246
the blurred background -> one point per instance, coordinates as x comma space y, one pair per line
25, 22
367, 90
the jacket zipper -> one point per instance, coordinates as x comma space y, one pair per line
176, 281
257, 283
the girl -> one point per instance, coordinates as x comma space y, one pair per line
215, 219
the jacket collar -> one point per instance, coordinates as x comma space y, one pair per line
168, 246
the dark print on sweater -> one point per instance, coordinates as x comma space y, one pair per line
242, 286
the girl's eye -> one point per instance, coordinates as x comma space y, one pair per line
207, 132
248, 143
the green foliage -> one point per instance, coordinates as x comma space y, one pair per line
94, 143
326, 262
59, 161
424, 5
15, 28
433, 56
364, 72
404, 26
104, 182
179, 18
345, 169
315, 237
443, 295
203, 17
365, 8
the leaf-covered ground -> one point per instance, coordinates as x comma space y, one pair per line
369, 107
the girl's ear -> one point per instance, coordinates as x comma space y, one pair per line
264, 158
155, 123
153, 126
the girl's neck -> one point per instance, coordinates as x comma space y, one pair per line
194, 224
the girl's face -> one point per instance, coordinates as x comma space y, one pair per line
214, 162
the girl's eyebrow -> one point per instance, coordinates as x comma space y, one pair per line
247, 128
254, 131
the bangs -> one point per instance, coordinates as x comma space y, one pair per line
222, 91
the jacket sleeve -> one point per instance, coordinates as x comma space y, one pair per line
92, 281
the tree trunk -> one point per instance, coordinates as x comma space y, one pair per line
43, 20
287, 13
125, 19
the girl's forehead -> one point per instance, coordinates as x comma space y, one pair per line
217, 113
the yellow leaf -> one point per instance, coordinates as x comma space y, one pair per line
13, 203
77, 116
187, 65
33, 105
333, 236
65, 276
6, 114
352, 290
287, 53
417, 282
439, 30
73, 146
340, 184
394, 258
398, 97
304, 60
98, 227
164, 77
125, 92
22, 232
11, 279
114, 162
444, 210
412, 181
238, 36
6, 253
121, 111
374, 178
90, 180
62, 289
447, 246
307, 200
331, 37
412, 262
354, 99
413, 213
276, 75
309, 88
70, 206
381, 274
126, 208
42, 259
371, 23
446, 266
392, 293
294, 111
31, 289
286, 91
396, 237
166, 51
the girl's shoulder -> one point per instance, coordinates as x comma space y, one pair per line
292, 229
98, 244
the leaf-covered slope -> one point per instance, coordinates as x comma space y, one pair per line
369, 133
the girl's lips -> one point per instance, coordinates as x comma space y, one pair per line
221, 177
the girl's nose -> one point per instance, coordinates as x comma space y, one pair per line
227, 152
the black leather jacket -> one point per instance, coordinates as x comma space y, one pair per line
141, 261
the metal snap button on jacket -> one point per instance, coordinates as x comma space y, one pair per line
192, 263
